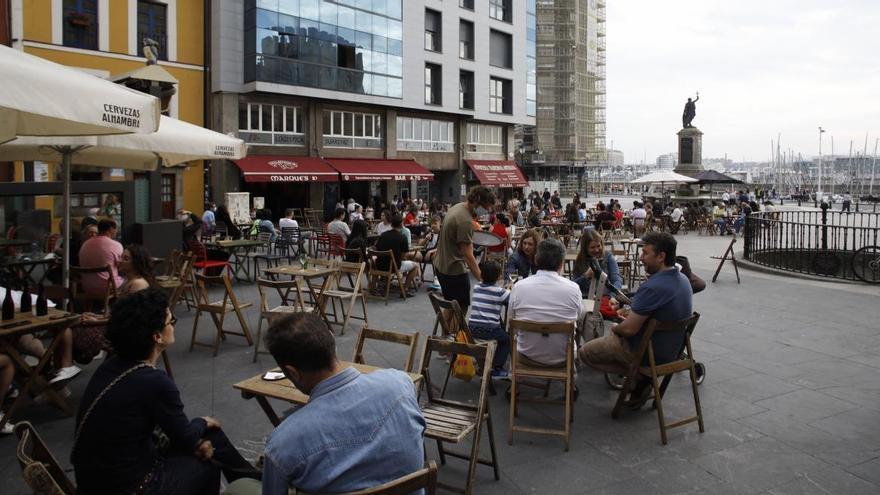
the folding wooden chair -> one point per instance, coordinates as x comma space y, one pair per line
389, 274
410, 340
425, 478
201, 261
39, 468
685, 362
563, 372
452, 421
178, 283
284, 289
347, 295
265, 253
218, 311
96, 303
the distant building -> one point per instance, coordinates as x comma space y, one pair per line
669, 160
615, 158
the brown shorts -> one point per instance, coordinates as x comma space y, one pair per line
609, 353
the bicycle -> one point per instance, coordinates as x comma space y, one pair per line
865, 264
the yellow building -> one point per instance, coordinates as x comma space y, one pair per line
104, 37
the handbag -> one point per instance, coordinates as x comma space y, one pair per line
463, 367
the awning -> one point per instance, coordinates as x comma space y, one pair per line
273, 168
379, 169
498, 173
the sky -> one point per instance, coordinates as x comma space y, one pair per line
762, 67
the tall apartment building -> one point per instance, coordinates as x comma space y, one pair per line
104, 38
367, 98
570, 131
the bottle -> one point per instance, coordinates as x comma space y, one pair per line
25, 305
8, 310
42, 308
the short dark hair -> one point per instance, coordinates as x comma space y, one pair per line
87, 221
340, 212
288, 212
481, 195
662, 242
134, 320
490, 271
105, 224
550, 254
302, 340
396, 221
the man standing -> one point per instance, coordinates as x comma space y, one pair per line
357, 430
556, 201
98, 252
338, 227
546, 195
665, 296
546, 296
208, 218
455, 248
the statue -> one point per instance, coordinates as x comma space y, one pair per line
690, 111
151, 51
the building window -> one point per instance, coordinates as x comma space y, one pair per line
433, 85
80, 24
424, 135
499, 95
466, 4
152, 23
466, 90
264, 123
352, 129
466, 39
433, 27
501, 10
500, 49
483, 138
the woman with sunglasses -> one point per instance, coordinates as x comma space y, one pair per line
129, 404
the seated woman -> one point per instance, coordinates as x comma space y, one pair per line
522, 261
500, 228
592, 254
357, 240
429, 248
127, 399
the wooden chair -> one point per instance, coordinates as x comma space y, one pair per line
95, 303
316, 283
265, 253
410, 340
563, 372
389, 274
290, 242
178, 283
653, 371
218, 311
452, 421
425, 478
285, 288
348, 295
39, 468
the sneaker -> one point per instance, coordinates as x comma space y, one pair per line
100, 355
500, 375
43, 399
65, 373
8, 428
13, 392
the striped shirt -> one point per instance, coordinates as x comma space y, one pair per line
487, 303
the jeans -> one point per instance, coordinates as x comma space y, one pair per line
499, 336
183, 472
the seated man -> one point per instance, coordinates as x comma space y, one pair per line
545, 297
665, 296
357, 430
98, 252
395, 241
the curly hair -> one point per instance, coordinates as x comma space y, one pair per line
134, 320
141, 262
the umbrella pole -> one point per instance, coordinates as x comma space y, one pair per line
65, 178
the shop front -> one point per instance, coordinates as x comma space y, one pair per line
376, 182
286, 181
501, 174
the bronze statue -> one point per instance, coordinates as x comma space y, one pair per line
690, 111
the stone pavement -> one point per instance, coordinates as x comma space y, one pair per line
791, 399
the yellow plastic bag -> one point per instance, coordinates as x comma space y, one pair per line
463, 367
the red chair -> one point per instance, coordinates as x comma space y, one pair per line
337, 246
201, 261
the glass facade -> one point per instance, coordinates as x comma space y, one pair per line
531, 60
354, 46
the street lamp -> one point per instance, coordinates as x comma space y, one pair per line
819, 186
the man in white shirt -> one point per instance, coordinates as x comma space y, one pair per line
338, 226
638, 216
356, 215
546, 297
288, 222
725, 197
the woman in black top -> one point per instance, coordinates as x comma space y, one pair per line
127, 399
357, 240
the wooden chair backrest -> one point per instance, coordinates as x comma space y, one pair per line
87, 301
203, 281
406, 339
375, 256
39, 467
646, 345
564, 327
278, 285
172, 263
353, 254
198, 250
482, 354
353, 271
439, 304
423, 478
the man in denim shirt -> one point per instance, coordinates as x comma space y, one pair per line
357, 430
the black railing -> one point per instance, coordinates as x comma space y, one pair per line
812, 242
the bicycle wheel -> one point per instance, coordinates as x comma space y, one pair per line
866, 264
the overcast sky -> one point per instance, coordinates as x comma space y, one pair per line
762, 67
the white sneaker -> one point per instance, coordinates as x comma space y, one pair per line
65, 373
43, 398
101, 355
8, 428
12, 394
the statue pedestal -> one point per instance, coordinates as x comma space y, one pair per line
690, 159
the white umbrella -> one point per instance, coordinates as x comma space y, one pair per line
663, 176
42, 98
175, 142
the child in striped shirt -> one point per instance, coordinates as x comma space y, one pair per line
488, 300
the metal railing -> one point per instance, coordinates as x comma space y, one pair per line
812, 242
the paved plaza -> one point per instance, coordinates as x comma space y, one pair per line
791, 399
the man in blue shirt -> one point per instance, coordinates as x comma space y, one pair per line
357, 430
665, 296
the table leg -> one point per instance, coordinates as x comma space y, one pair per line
320, 302
267, 408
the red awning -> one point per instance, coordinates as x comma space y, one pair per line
498, 173
273, 168
379, 169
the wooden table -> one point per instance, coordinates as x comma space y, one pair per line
22, 267
263, 390
240, 248
23, 324
307, 274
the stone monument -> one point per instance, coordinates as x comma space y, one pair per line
690, 150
